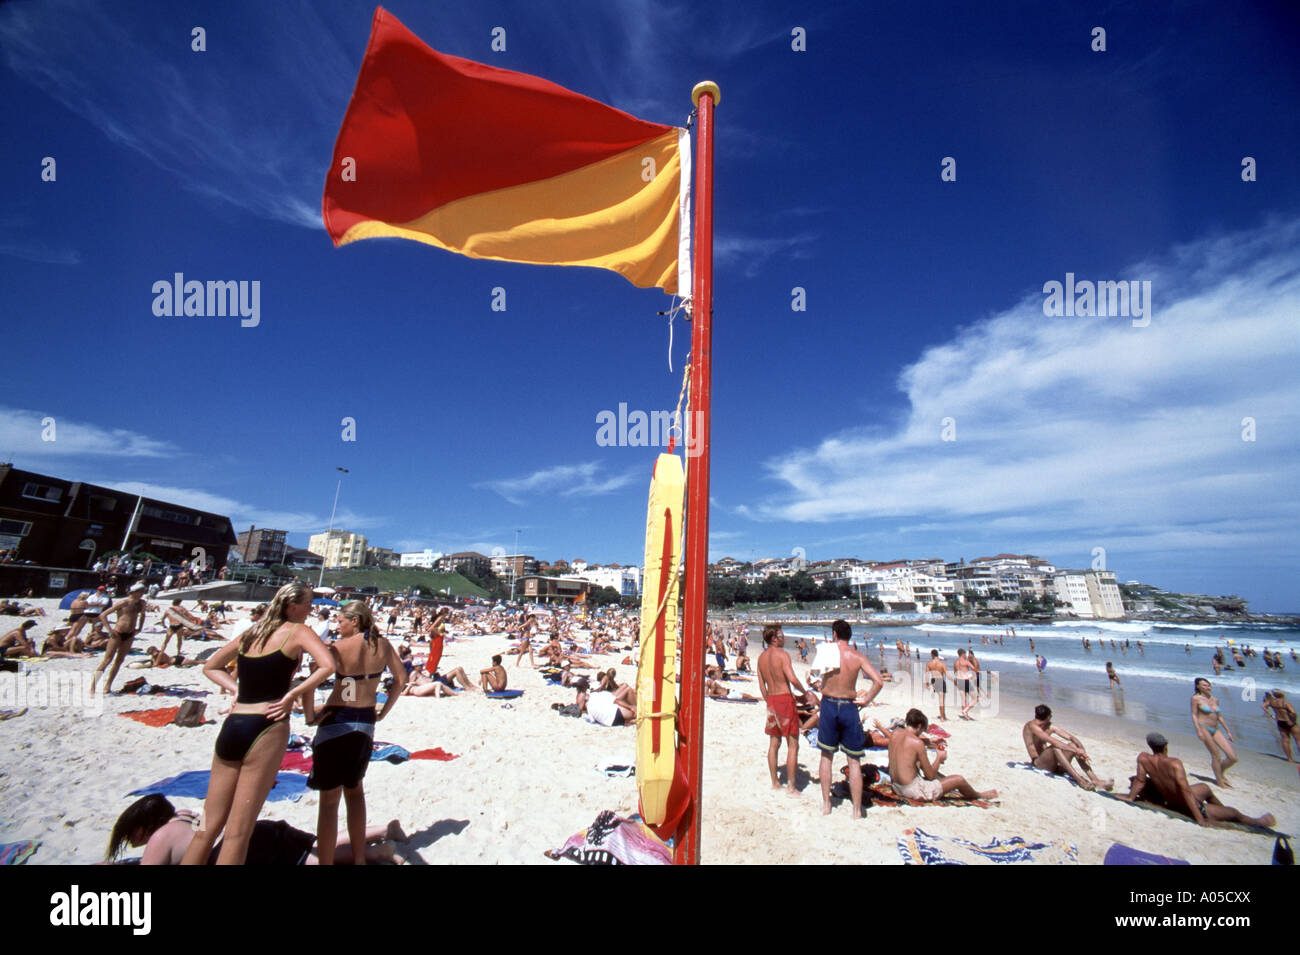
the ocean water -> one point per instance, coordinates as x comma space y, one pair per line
1156, 680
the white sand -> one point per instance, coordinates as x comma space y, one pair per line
526, 778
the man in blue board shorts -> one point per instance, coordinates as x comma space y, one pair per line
840, 728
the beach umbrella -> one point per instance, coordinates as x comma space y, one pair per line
325, 602
323, 590
66, 602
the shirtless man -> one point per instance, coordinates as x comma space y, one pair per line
1162, 781
936, 672
838, 727
130, 620
775, 677
87, 609
1055, 755
1275, 702
493, 679
912, 775
16, 643
180, 623
964, 676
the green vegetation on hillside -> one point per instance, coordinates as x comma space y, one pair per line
402, 579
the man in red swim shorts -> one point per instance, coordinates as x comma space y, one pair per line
775, 678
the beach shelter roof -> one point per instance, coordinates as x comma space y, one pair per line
325, 602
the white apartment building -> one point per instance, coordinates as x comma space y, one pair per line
339, 549
420, 558
900, 583
625, 580
1090, 593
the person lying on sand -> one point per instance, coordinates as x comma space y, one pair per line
1162, 781
166, 833
879, 735
161, 660
1055, 754
911, 773
438, 685
720, 692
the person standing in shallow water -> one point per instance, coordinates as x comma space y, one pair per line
254, 737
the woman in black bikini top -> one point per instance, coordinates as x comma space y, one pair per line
344, 740
253, 738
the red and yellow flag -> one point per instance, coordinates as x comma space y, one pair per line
502, 165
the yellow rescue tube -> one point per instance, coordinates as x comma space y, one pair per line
656, 678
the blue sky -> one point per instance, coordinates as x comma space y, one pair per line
924, 297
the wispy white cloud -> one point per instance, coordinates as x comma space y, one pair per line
33, 250
173, 105
750, 253
565, 480
34, 436
1085, 425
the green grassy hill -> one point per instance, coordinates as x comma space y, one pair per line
397, 580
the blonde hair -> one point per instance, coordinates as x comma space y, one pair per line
287, 596
365, 618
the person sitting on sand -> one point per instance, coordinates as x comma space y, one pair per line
89, 613
605, 708
16, 642
165, 833
1212, 730
493, 679
911, 773
57, 645
1275, 701
1162, 781
1055, 755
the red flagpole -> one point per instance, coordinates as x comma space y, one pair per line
690, 752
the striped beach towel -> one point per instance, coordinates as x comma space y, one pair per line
918, 847
16, 853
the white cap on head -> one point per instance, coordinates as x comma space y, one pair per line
135, 587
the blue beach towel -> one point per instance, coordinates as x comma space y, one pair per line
389, 751
194, 785
504, 694
1044, 772
1120, 854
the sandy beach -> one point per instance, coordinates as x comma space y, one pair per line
526, 778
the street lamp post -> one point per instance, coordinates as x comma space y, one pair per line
329, 534
514, 563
